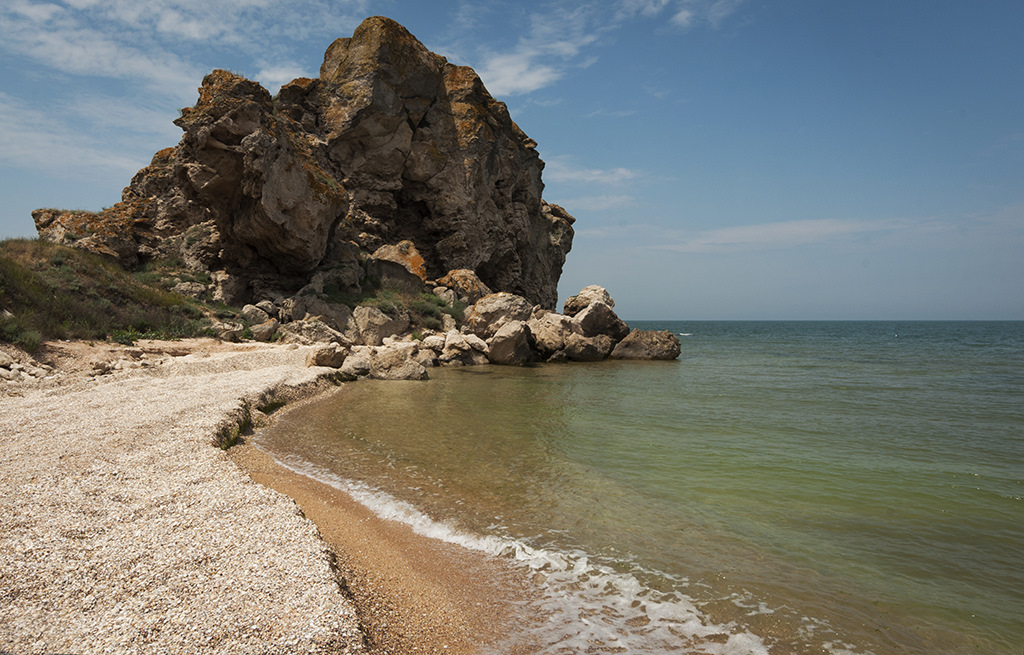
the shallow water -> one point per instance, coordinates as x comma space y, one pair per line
783, 487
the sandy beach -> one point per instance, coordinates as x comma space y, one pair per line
125, 529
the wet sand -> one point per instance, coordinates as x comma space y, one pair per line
412, 594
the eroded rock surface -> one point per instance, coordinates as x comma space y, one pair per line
391, 150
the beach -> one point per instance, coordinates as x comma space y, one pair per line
124, 527
788, 487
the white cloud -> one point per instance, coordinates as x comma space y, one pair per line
515, 73
130, 121
561, 170
39, 13
684, 13
32, 138
610, 113
683, 18
82, 50
597, 203
554, 44
646, 8
719, 10
785, 234
274, 77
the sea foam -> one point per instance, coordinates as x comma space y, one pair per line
586, 604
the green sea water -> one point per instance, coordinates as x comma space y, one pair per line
783, 487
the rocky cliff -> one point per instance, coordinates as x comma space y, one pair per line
391, 150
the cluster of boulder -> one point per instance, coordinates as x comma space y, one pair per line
500, 328
12, 370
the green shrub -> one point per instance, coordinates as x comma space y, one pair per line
57, 292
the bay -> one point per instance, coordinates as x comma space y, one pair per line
783, 487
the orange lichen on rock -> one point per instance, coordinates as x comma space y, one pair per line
404, 253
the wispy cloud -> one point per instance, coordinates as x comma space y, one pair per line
561, 169
553, 44
599, 203
85, 51
621, 113
785, 234
681, 13
32, 138
517, 72
167, 45
274, 76
564, 35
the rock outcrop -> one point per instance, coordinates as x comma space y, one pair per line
517, 334
654, 344
391, 151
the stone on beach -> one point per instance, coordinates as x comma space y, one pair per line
579, 348
550, 330
587, 296
510, 345
396, 362
643, 344
489, 313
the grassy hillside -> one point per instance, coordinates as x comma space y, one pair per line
49, 291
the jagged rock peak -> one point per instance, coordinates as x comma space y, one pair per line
392, 143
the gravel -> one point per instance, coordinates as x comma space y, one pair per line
124, 529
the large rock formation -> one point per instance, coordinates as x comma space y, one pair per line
390, 146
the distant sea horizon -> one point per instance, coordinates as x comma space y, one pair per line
801, 486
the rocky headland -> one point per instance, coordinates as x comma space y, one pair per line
394, 172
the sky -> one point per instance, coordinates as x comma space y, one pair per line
724, 159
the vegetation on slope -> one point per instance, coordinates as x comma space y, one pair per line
49, 291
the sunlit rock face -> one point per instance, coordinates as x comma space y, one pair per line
391, 144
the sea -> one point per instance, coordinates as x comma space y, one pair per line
782, 487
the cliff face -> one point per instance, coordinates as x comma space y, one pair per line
390, 144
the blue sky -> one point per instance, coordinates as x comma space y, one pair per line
725, 159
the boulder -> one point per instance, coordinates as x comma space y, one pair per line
447, 295
269, 307
598, 318
265, 331
404, 254
191, 289
587, 296
510, 345
550, 330
393, 275
466, 285
5, 360
463, 350
328, 354
357, 364
310, 331
579, 348
433, 342
229, 331
338, 316
374, 325
396, 363
492, 311
254, 315
427, 357
644, 344
476, 343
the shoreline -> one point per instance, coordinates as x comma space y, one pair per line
413, 594
124, 527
